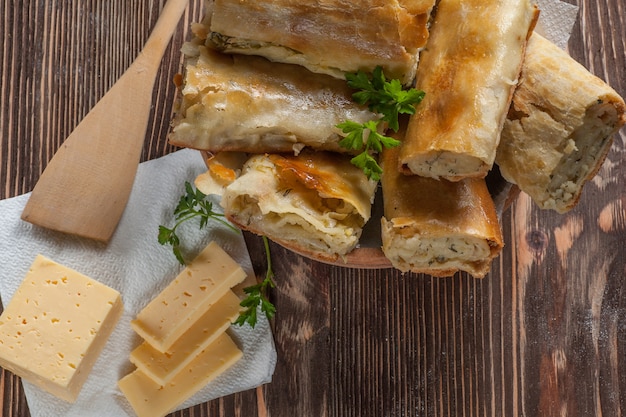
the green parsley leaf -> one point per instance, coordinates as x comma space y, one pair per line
368, 164
354, 138
257, 295
376, 141
191, 205
388, 98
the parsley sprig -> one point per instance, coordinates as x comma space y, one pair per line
387, 98
257, 295
194, 204
374, 142
191, 205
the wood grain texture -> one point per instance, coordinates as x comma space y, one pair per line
542, 335
98, 161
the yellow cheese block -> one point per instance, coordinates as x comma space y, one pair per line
151, 399
204, 281
161, 367
55, 326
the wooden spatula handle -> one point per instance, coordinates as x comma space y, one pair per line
85, 187
159, 38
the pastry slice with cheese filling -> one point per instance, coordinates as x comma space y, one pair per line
559, 129
315, 203
330, 36
437, 227
468, 71
249, 104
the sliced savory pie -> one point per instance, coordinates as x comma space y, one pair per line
437, 227
249, 104
330, 36
315, 203
559, 128
468, 71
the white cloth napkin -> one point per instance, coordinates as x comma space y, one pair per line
556, 21
136, 265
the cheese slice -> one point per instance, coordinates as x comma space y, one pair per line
151, 399
204, 281
161, 367
55, 326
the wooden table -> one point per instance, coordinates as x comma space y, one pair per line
543, 335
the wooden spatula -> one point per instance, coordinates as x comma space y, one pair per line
86, 185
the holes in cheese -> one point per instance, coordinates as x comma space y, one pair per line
205, 280
161, 367
184, 329
57, 354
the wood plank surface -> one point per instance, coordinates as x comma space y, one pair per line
544, 334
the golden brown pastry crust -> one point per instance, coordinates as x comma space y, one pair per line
329, 36
559, 128
315, 203
468, 71
437, 227
249, 104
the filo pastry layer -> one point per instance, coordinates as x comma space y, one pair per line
437, 227
559, 128
315, 203
249, 104
468, 70
329, 36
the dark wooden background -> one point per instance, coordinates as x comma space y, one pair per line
542, 335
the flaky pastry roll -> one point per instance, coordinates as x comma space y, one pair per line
559, 128
468, 71
437, 227
249, 104
315, 203
330, 36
